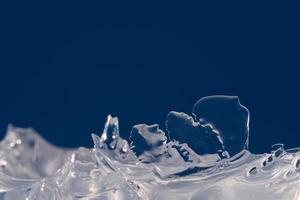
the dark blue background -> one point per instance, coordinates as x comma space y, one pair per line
64, 67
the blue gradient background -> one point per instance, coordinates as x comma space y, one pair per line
64, 67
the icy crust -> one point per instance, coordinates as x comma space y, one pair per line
199, 157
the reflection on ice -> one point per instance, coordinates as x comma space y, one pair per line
200, 157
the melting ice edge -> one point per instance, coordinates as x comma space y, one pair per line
199, 157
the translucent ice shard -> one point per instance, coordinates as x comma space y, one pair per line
200, 156
148, 142
228, 118
203, 139
111, 143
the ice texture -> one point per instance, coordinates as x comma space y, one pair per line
204, 156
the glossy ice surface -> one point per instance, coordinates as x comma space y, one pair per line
200, 157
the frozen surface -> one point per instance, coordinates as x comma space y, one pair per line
200, 157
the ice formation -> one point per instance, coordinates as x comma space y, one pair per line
200, 157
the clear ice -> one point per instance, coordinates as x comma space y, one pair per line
204, 156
